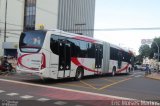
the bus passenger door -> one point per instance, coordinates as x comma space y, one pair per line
120, 57
68, 59
64, 58
98, 57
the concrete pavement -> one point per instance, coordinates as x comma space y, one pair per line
84, 92
155, 76
15, 90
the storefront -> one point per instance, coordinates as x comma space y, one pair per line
10, 48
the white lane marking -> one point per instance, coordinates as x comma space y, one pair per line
1, 91
43, 99
132, 75
78, 105
60, 103
138, 76
138, 72
65, 89
12, 94
26, 97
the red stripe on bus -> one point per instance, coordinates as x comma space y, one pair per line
123, 69
76, 62
85, 39
20, 62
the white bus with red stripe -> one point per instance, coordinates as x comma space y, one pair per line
57, 54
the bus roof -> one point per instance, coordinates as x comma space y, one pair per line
76, 36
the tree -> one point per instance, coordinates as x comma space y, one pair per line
154, 48
138, 59
145, 51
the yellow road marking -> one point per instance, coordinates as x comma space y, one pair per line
108, 80
88, 84
104, 87
73, 85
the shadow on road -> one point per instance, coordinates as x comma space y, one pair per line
48, 81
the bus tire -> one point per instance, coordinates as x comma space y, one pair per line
79, 74
113, 71
127, 72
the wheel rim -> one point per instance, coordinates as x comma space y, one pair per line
79, 74
113, 73
127, 71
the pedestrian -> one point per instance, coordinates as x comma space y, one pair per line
4, 61
147, 70
157, 70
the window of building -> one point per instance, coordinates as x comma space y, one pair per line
29, 14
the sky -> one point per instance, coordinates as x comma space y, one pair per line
110, 14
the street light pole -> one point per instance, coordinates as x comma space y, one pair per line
5, 25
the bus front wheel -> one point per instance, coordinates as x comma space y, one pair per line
79, 74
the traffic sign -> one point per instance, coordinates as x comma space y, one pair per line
146, 41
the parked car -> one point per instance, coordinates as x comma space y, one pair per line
143, 67
137, 66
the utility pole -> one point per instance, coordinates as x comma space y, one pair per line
0, 14
5, 25
158, 49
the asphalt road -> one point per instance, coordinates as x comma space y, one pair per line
135, 86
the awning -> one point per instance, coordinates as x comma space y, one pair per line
10, 45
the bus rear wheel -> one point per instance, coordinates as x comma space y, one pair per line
113, 71
128, 71
79, 74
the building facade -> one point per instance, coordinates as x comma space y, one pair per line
14, 25
76, 16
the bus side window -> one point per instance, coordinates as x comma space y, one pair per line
75, 48
83, 48
91, 50
54, 44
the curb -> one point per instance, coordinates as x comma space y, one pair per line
152, 77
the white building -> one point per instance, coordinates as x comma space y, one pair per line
68, 15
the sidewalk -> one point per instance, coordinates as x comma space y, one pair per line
155, 76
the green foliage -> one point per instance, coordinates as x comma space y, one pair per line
147, 51
138, 59
154, 48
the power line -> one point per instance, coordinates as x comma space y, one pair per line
12, 36
105, 29
114, 29
42, 9
13, 30
11, 24
46, 11
13, 33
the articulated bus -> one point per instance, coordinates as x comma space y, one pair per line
57, 54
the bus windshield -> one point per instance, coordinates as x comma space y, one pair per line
31, 41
